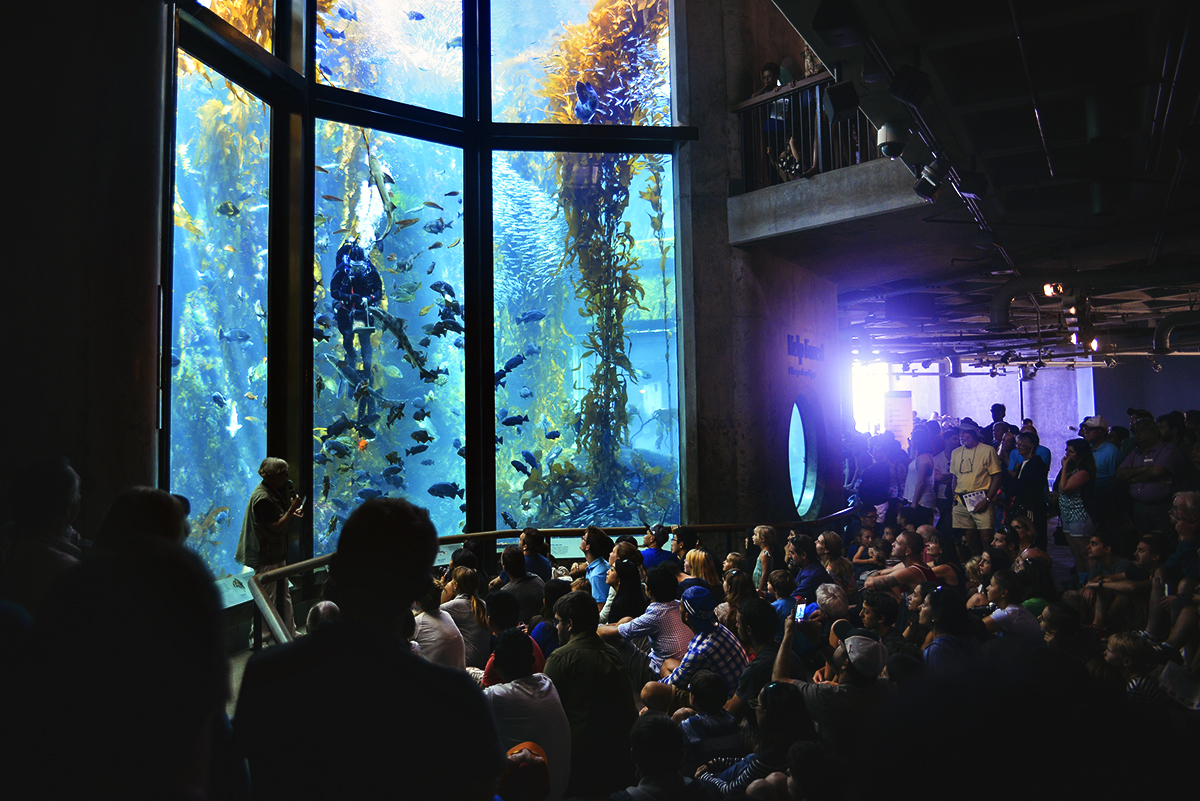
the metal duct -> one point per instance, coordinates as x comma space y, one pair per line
1129, 275
1162, 334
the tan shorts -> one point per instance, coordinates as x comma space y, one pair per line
962, 518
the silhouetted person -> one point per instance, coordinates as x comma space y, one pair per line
374, 708
39, 545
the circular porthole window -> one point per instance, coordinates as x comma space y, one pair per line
802, 460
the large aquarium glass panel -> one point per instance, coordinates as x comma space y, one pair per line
387, 327
586, 376
598, 62
255, 18
219, 305
410, 51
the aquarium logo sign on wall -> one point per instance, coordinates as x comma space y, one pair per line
804, 349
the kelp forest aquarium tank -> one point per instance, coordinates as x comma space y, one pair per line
576, 251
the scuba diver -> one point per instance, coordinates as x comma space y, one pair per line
355, 286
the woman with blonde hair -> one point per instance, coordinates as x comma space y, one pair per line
469, 614
700, 564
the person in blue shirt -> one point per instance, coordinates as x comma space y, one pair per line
1108, 456
596, 546
653, 551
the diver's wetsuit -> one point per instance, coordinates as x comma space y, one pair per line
354, 280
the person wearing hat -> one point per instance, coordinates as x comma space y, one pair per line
976, 470
1108, 456
856, 657
713, 647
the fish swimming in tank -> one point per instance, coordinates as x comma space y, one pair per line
422, 436
321, 458
348, 15
499, 379
530, 459
509, 520
437, 226
416, 16
442, 287
532, 316
339, 449
555, 434
367, 493
554, 454
445, 489
239, 335
455, 42
332, 34
427, 462
337, 427
228, 209
415, 449
587, 102
532, 350
520, 467
515, 420
219, 399
526, 392
319, 334
514, 362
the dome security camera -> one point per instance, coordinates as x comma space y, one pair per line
893, 136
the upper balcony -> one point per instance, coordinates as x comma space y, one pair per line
802, 171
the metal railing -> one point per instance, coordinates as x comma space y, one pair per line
265, 611
785, 135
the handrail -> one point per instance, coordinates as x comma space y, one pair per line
275, 623
782, 90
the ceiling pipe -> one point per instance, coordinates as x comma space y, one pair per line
1162, 334
1131, 275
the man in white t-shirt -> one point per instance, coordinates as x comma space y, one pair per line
527, 708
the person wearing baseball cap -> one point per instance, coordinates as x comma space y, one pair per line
856, 657
1108, 456
713, 647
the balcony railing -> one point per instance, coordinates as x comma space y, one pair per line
786, 137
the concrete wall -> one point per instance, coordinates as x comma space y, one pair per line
83, 277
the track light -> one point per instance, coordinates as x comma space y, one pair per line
993, 372
1154, 365
1109, 361
1051, 290
1028, 371
930, 183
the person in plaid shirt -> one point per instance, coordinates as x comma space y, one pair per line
713, 647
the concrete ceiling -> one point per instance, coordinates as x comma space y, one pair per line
1085, 126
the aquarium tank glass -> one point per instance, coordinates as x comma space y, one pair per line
602, 62
254, 18
586, 362
219, 305
389, 395
410, 52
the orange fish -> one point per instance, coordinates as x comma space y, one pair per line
362, 444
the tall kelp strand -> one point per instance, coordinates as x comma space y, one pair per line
580, 383
254, 18
219, 305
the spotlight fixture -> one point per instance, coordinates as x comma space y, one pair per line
1094, 345
1039, 364
893, 136
1052, 289
993, 372
1110, 361
1028, 371
930, 183
1154, 365
927, 364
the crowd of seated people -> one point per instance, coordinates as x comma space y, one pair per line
660, 677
